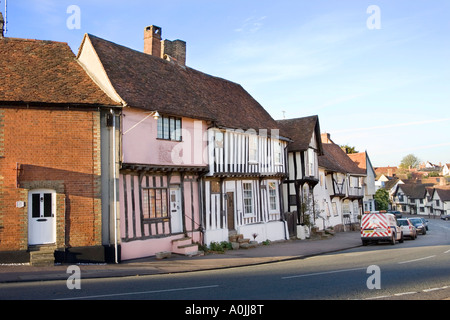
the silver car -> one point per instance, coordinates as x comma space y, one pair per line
408, 229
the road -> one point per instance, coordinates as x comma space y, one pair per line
415, 269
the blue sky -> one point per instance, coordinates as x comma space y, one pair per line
382, 90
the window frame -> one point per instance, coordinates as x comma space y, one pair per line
253, 148
169, 128
245, 196
273, 196
151, 210
278, 152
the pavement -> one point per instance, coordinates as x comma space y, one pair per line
274, 252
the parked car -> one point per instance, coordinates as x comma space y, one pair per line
418, 223
397, 214
445, 217
409, 230
425, 222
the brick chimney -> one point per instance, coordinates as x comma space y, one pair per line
326, 138
2, 24
174, 51
152, 41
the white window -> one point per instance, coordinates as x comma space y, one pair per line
327, 208
273, 197
335, 210
311, 162
248, 198
277, 152
219, 139
253, 148
355, 208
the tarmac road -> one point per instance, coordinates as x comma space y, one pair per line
416, 269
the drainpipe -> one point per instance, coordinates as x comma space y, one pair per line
115, 186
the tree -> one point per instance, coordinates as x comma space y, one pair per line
381, 199
348, 149
409, 161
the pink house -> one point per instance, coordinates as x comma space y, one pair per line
161, 148
199, 157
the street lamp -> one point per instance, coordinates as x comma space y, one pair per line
155, 114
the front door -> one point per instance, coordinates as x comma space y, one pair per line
41, 217
230, 210
176, 219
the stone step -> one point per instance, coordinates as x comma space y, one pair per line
181, 242
234, 237
323, 234
42, 255
242, 240
248, 245
184, 246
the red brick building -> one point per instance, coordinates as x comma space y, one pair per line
50, 153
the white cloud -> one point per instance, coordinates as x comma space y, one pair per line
251, 25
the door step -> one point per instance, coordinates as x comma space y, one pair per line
184, 246
42, 255
238, 241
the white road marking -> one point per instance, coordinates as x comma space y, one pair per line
404, 293
322, 273
136, 293
407, 293
409, 261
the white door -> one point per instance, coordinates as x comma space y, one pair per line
176, 219
41, 217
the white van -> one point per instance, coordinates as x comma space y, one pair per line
380, 226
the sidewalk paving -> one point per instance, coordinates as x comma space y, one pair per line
274, 252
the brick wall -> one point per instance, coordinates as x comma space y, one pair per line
52, 149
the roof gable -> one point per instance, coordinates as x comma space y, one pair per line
301, 131
36, 71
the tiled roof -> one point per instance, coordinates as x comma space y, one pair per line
36, 71
335, 159
414, 190
359, 159
386, 170
154, 84
444, 194
301, 130
388, 185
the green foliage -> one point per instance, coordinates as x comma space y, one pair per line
349, 149
409, 161
220, 247
381, 199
